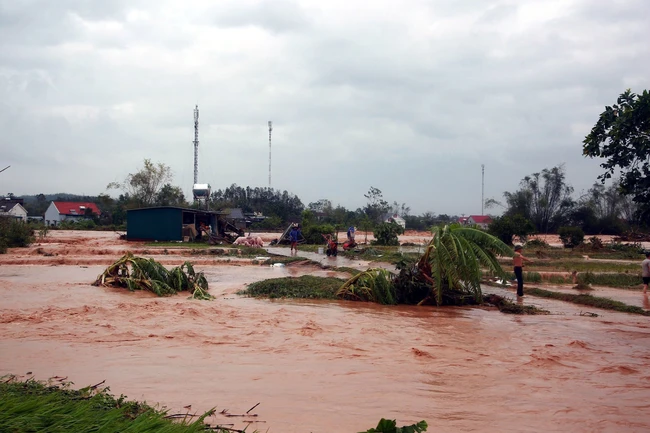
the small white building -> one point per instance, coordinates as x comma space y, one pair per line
13, 210
394, 218
59, 211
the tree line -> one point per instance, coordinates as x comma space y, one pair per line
543, 203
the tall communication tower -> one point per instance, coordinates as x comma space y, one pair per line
270, 129
196, 144
482, 187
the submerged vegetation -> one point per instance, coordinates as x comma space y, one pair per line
509, 307
139, 273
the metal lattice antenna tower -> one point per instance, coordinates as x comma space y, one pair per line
196, 144
482, 187
270, 129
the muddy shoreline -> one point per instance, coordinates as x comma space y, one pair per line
320, 366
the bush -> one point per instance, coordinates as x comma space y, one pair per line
314, 234
595, 243
14, 233
571, 237
387, 234
537, 243
505, 227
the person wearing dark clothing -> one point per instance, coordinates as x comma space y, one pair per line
294, 235
518, 262
351, 234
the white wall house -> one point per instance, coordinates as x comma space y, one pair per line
59, 211
14, 210
483, 221
394, 217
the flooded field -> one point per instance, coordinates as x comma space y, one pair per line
318, 366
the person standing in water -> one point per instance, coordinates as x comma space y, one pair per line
294, 234
518, 262
645, 271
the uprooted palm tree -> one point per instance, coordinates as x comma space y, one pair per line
449, 271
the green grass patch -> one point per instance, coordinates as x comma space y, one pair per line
346, 269
626, 281
379, 254
33, 406
305, 287
589, 300
582, 266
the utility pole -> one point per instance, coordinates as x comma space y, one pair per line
270, 129
482, 187
196, 145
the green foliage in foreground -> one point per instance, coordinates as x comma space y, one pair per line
591, 301
36, 406
305, 287
33, 406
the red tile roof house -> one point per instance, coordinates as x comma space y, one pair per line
483, 221
59, 211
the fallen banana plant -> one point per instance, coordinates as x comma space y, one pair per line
373, 285
139, 273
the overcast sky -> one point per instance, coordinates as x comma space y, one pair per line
407, 96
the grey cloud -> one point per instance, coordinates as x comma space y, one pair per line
377, 104
278, 16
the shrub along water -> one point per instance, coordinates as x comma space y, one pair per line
14, 233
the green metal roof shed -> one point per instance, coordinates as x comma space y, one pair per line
164, 223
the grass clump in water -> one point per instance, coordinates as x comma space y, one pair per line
589, 300
34, 406
305, 287
509, 307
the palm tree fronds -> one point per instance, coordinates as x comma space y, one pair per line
139, 273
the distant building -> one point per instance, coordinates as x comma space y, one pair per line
13, 210
483, 221
59, 211
394, 218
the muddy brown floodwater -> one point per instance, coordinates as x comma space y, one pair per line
322, 366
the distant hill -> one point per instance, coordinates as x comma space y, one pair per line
61, 196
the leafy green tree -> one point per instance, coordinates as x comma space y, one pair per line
387, 233
376, 206
145, 185
170, 195
622, 136
571, 237
270, 202
506, 227
543, 198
